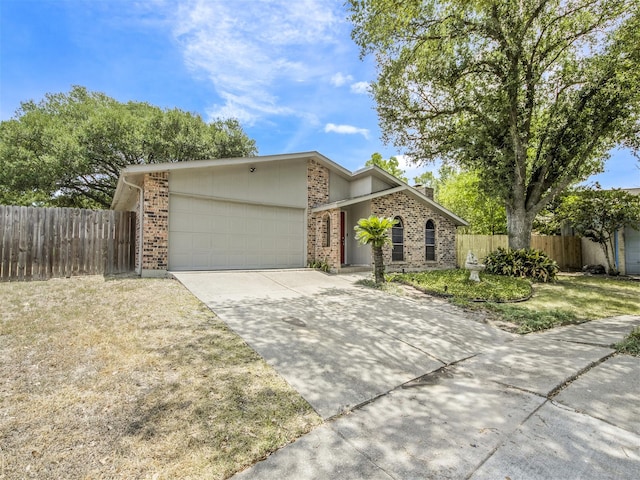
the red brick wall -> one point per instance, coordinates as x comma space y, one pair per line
414, 216
155, 235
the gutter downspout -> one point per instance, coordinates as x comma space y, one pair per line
140, 222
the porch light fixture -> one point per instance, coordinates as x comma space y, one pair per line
252, 169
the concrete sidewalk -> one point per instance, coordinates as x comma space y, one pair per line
546, 406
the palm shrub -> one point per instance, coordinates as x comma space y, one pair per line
524, 262
374, 231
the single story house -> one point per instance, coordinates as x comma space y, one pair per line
277, 211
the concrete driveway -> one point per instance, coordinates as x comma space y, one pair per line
429, 393
339, 344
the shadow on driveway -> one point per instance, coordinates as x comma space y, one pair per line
338, 344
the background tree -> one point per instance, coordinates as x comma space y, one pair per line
391, 166
597, 214
68, 149
463, 195
531, 95
549, 221
374, 231
427, 179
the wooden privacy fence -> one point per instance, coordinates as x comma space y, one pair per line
40, 243
567, 251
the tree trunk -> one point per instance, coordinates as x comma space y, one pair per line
519, 226
378, 265
607, 246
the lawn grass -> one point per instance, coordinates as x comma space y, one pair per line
571, 299
132, 378
456, 284
631, 344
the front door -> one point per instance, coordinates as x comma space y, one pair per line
342, 237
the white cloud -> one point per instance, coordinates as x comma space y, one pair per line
346, 129
340, 79
360, 87
405, 162
250, 50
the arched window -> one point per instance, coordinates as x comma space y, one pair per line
326, 231
430, 241
397, 239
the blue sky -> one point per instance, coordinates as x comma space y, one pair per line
288, 70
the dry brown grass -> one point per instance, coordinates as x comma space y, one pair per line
132, 378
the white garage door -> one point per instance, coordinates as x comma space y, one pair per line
632, 251
217, 235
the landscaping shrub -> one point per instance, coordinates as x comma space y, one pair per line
526, 262
320, 265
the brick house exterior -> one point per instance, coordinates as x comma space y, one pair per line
414, 215
321, 213
156, 221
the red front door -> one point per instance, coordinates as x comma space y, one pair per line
342, 238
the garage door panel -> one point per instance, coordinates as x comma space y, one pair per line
201, 241
253, 244
209, 234
182, 223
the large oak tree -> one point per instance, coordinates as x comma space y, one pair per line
530, 94
68, 149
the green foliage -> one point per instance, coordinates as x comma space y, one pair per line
597, 214
532, 95
374, 231
568, 300
631, 344
391, 166
549, 221
525, 263
427, 179
320, 265
462, 194
456, 283
68, 149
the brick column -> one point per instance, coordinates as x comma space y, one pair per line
317, 194
155, 235
329, 253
